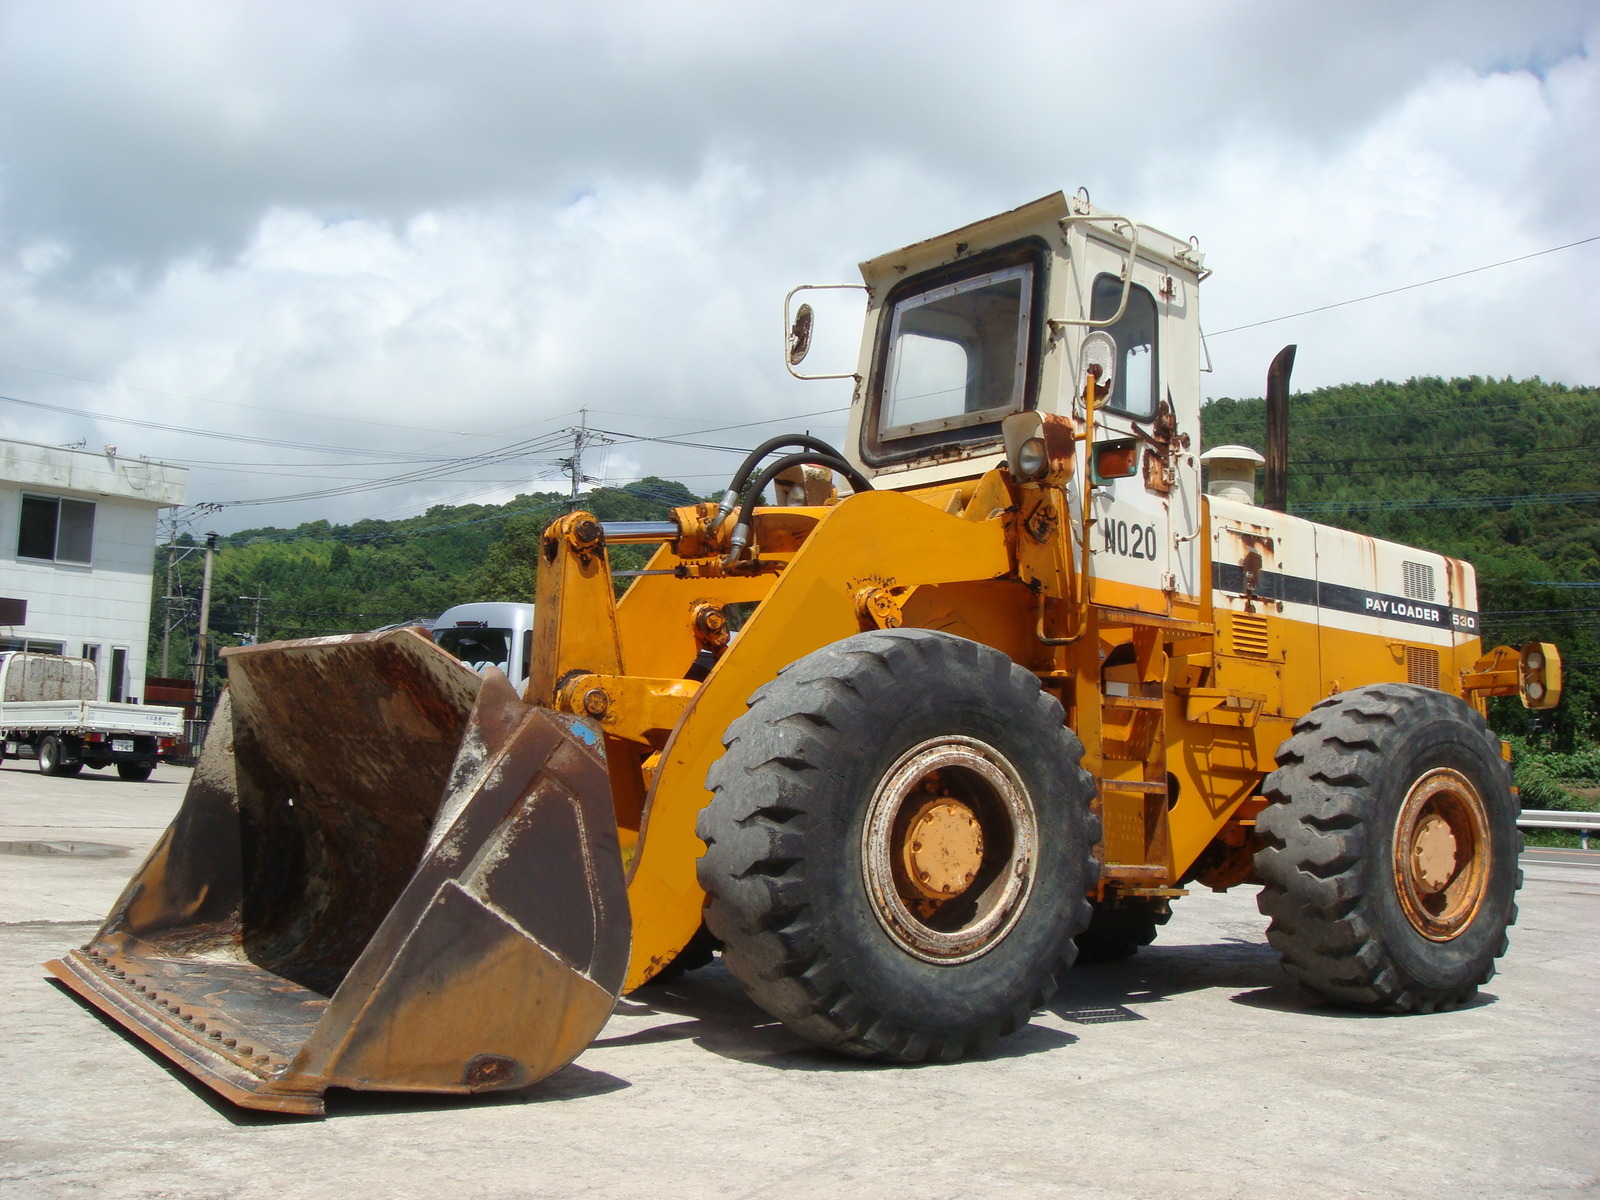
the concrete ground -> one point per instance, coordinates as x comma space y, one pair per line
1195, 1069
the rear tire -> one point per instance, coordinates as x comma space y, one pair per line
888, 755
1390, 865
50, 758
134, 772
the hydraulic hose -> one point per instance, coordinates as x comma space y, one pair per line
741, 530
736, 488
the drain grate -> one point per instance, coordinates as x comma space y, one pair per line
1100, 1016
76, 849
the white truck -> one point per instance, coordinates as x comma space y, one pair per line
491, 633
50, 711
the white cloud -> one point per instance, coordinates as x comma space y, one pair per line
480, 218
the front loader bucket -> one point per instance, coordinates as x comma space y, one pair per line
388, 873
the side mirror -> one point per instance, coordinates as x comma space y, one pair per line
1100, 359
799, 330
800, 335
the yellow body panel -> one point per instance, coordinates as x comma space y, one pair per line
1181, 701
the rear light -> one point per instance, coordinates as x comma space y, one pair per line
94, 737
167, 743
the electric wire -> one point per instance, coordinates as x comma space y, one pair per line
1404, 287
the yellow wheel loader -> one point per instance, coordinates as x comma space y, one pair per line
900, 754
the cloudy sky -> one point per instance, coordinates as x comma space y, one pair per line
307, 246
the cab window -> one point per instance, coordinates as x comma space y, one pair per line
1136, 388
957, 354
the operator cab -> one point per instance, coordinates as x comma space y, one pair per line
995, 319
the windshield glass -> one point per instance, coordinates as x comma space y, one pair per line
476, 646
957, 354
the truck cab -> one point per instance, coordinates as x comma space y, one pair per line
489, 634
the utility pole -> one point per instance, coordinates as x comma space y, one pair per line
202, 639
255, 629
582, 437
166, 602
574, 465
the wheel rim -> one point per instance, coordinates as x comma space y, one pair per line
1441, 854
949, 850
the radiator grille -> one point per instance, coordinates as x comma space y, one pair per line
1418, 581
1250, 635
1422, 667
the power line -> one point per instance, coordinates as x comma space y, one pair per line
182, 429
1406, 287
275, 409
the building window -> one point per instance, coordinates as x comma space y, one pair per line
32, 645
56, 529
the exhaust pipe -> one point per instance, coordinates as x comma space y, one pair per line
1276, 484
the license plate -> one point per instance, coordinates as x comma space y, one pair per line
122, 745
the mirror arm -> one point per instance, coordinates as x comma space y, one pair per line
788, 326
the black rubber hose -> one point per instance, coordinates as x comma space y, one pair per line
753, 459
832, 461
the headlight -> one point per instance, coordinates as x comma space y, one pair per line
1032, 458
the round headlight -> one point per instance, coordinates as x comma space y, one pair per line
1032, 459
1533, 660
1535, 690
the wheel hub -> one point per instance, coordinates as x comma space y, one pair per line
942, 850
1433, 854
949, 849
1441, 854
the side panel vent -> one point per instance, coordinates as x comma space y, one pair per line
1250, 635
1422, 667
1418, 581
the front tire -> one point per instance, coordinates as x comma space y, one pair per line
1390, 865
134, 772
899, 846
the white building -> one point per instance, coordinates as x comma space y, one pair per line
77, 548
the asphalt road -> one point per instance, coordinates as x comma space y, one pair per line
1196, 1069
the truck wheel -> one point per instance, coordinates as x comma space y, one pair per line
50, 758
134, 772
1116, 931
1391, 843
899, 846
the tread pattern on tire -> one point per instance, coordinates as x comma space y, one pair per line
1317, 834
755, 862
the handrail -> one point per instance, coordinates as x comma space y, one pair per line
1554, 818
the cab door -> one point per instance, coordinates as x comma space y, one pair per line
1139, 557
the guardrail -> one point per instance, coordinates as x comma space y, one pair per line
1553, 818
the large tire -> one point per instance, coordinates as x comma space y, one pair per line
832, 783
1390, 861
1118, 929
134, 772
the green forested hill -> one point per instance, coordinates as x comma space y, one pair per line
320, 578
1505, 474
1502, 473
